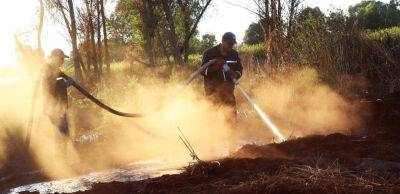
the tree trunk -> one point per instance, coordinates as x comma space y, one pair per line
75, 51
274, 14
279, 12
86, 46
189, 35
274, 34
266, 21
186, 23
172, 36
163, 47
98, 28
93, 52
148, 29
40, 26
293, 5
103, 19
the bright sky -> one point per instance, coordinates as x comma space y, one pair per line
223, 17
20, 17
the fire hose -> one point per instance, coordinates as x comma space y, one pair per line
98, 102
81, 90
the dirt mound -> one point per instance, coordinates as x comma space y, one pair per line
334, 163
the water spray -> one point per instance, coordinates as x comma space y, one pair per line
261, 113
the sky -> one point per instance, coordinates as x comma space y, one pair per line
223, 16
21, 16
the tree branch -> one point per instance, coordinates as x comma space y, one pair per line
246, 8
187, 38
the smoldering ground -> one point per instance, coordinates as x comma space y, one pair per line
297, 102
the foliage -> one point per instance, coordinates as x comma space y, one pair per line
159, 28
336, 48
389, 38
254, 48
311, 15
338, 21
371, 14
124, 24
308, 37
254, 34
388, 33
207, 41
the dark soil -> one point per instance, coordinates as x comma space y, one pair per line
317, 164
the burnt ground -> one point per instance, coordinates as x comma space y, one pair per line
336, 163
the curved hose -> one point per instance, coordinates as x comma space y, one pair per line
99, 103
80, 89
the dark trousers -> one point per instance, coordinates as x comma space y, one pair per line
224, 96
61, 122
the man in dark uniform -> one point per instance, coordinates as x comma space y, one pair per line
219, 77
55, 86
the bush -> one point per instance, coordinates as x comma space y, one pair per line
390, 39
252, 56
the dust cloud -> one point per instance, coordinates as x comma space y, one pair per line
296, 101
301, 104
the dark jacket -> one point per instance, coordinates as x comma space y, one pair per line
55, 87
56, 104
215, 82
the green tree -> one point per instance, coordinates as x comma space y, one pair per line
308, 40
254, 34
207, 41
337, 21
124, 24
371, 14
166, 26
311, 14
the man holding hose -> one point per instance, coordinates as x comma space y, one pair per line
219, 77
55, 84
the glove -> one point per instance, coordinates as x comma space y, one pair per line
69, 81
232, 74
226, 67
217, 65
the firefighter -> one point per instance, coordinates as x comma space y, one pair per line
219, 77
55, 84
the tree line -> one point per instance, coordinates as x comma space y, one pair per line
166, 30
360, 42
370, 15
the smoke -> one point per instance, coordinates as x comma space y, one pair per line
296, 101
